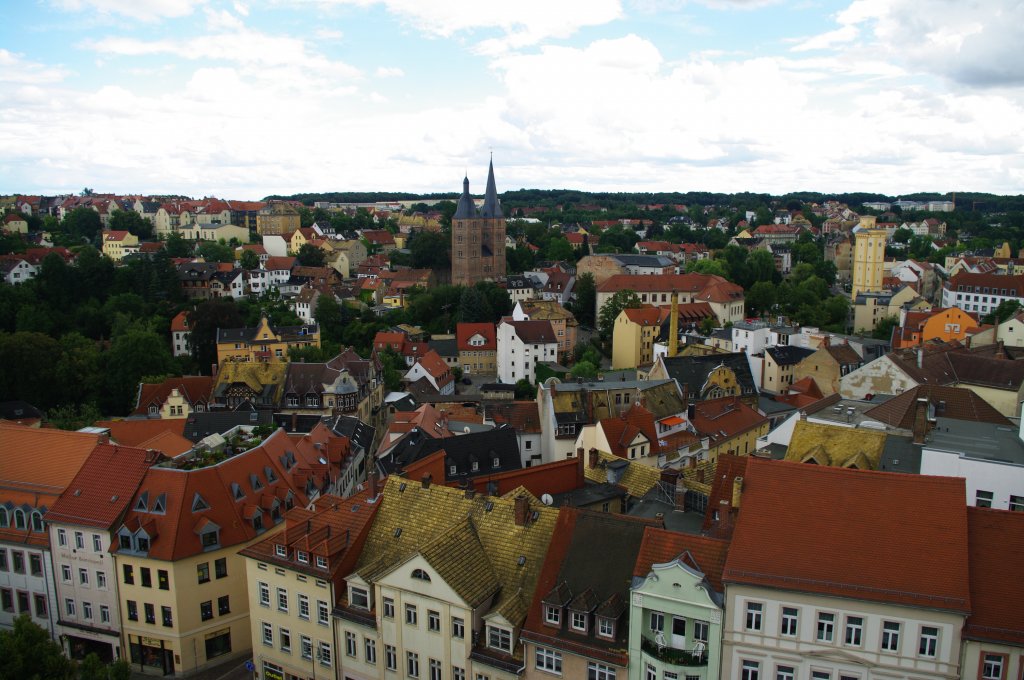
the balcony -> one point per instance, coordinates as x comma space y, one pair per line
674, 657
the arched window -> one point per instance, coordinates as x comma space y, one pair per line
37, 520
420, 575
4, 520
19, 519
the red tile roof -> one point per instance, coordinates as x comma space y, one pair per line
522, 415
195, 388
996, 540
956, 402
103, 487
180, 322
464, 331
661, 546
275, 262
433, 364
727, 415
727, 468
133, 432
647, 316
852, 533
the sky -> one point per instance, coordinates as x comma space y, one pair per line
242, 99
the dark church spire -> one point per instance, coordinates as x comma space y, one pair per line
492, 206
466, 209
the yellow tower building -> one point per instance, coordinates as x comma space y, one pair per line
868, 258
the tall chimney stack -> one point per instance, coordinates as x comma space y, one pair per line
522, 510
737, 490
920, 420
673, 326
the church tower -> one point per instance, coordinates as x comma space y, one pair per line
478, 236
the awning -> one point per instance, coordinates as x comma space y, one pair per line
672, 420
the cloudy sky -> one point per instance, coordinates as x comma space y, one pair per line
241, 99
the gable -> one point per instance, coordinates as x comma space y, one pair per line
678, 581
401, 577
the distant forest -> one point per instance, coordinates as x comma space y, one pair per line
982, 202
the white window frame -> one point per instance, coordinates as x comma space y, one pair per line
548, 660
754, 619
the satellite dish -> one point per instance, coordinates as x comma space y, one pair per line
546, 499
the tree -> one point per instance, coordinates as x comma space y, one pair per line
28, 369
73, 416
761, 266
1004, 311
311, 256
28, 652
474, 307
584, 306
716, 267
394, 368
177, 246
204, 321
761, 297
584, 369
83, 223
525, 389
429, 250
131, 221
331, 315
136, 353
883, 329
216, 252
249, 260
622, 299
559, 248
902, 235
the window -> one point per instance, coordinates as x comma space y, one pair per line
433, 621
890, 636
785, 673
983, 499
435, 669
598, 671
323, 613
162, 581
79, 540
268, 634
40, 602
18, 561
1017, 503
104, 613
929, 642
552, 615
389, 608
206, 610
412, 664
578, 621
97, 543
700, 631
69, 606
145, 577
129, 577
420, 575
65, 571
150, 612
826, 627
323, 653
754, 612
370, 650
605, 627
657, 621
360, 598
101, 580
203, 572
282, 599
165, 615
306, 647
499, 638
854, 630
751, 670
410, 614
790, 621
390, 658
281, 551
458, 673
821, 675
458, 628
133, 610
220, 567
321, 562
302, 556
286, 639
62, 537
548, 660
350, 643
264, 594
992, 667
303, 607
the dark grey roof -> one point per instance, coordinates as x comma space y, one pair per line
249, 334
405, 404
901, 455
497, 387
358, 432
692, 372
644, 260
20, 410
447, 347
492, 206
461, 451
202, 424
466, 209
589, 494
787, 355
977, 441
297, 423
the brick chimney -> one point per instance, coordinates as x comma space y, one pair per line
373, 482
593, 458
581, 463
920, 420
522, 510
737, 490
426, 480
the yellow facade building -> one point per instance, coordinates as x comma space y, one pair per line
634, 335
277, 218
868, 258
264, 342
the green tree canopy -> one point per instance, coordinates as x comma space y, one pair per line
28, 653
131, 221
216, 252
204, 321
177, 246
83, 223
249, 260
622, 299
311, 256
583, 307
429, 250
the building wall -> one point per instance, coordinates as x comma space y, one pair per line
75, 549
26, 577
573, 665
1011, 332
626, 343
868, 261
877, 377
805, 654
1002, 480
469, 265
975, 651
478, 362
742, 444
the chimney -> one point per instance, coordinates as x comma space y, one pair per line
295, 422
660, 519
920, 420
373, 482
470, 492
213, 370
724, 514
581, 469
673, 326
737, 490
522, 510
426, 480
920, 357
691, 411
593, 458
825, 340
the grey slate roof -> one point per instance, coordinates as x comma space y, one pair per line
461, 451
446, 347
692, 372
787, 355
359, 433
202, 424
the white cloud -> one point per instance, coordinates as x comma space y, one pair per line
143, 10
14, 68
841, 36
389, 72
328, 34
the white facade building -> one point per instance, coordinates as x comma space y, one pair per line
521, 346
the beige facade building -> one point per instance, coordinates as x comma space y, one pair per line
277, 218
868, 258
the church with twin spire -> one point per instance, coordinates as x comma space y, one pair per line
478, 236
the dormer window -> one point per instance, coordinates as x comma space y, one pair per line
359, 598
141, 544
199, 503
236, 491
257, 521
476, 466
578, 621
321, 562
209, 536
160, 504
552, 615
154, 411
124, 541
605, 627
302, 557
142, 505
254, 482
268, 472
281, 551
499, 638
497, 462
293, 401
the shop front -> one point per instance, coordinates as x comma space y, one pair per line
151, 655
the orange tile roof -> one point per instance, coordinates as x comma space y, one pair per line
647, 316
465, 330
996, 540
135, 431
180, 322
168, 443
433, 364
103, 487
42, 458
661, 546
727, 415
852, 533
